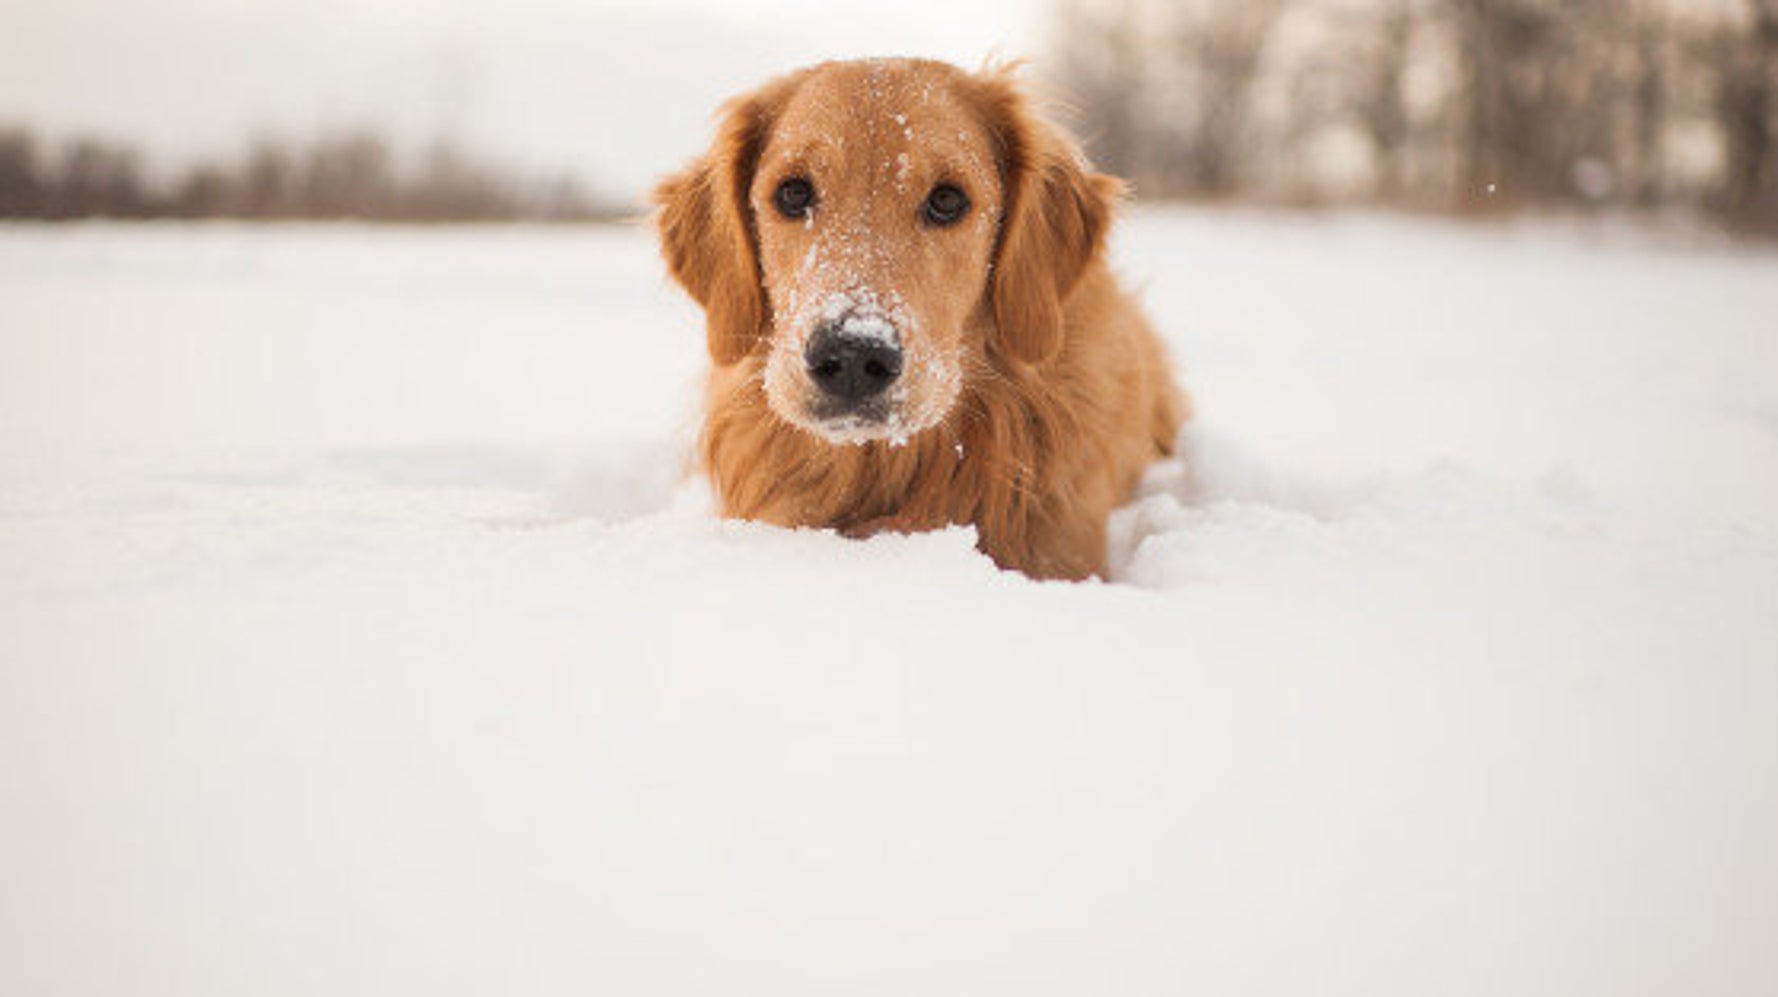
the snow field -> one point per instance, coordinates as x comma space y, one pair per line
361, 637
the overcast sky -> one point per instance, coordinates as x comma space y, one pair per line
614, 91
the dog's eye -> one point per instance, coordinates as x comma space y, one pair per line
945, 205
794, 197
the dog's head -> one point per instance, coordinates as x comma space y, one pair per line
874, 231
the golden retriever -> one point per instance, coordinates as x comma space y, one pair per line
910, 316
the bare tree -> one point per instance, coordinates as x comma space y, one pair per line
1103, 64
347, 175
1216, 53
98, 179
1649, 30
268, 182
1383, 101
21, 185
1746, 101
1505, 59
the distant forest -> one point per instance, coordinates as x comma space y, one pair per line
350, 174
1454, 106
1469, 106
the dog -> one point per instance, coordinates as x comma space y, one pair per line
910, 318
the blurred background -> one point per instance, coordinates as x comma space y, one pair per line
416, 110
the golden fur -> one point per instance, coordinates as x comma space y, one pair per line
1034, 391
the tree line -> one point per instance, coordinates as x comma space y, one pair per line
1464, 105
345, 174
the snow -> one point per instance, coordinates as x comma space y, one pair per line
862, 317
361, 637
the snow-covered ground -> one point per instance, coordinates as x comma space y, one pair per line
357, 636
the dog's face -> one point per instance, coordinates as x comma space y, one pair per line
875, 201
871, 231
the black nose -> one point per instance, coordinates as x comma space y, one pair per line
851, 367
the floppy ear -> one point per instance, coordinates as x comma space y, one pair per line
1056, 217
706, 231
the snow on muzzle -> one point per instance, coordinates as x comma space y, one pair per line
856, 366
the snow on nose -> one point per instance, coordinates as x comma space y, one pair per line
861, 315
